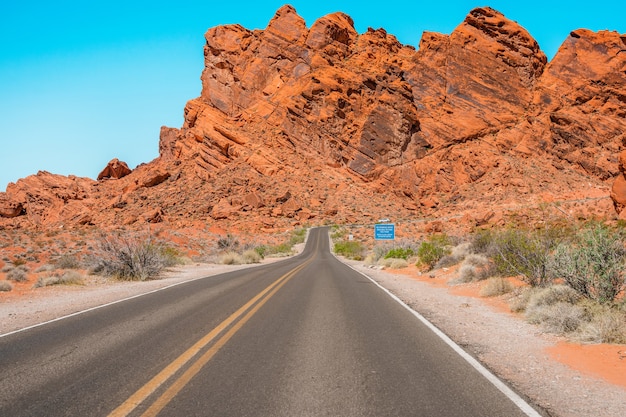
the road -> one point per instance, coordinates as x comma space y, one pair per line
307, 336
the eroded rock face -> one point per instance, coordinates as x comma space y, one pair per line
297, 123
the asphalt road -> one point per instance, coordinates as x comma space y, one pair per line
307, 336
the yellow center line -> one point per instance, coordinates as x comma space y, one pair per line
151, 386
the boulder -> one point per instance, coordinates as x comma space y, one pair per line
115, 169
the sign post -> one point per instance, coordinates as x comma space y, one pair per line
385, 231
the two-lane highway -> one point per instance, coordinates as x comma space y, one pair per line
307, 336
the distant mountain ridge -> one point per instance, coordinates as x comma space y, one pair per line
298, 124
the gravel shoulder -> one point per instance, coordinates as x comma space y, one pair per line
511, 348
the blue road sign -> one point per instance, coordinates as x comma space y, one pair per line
385, 231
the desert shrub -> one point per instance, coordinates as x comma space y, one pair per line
231, 258
5, 286
475, 267
351, 249
382, 248
386, 263
457, 255
525, 253
261, 250
338, 232
496, 286
285, 248
607, 325
251, 257
46, 281
559, 318
433, 249
46, 268
68, 278
297, 236
171, 256
555, 308
281, 248
228, 242
17, 274
67, 262
72, 278
19, 262
398, 263
370, 260
482, 241
131, 257
399, 253
594, 264
554, 294
519, 301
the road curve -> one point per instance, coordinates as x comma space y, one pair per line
307, 336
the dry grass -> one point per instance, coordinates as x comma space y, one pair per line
558, 318
231, 258
394, 263
474, 268
5, 286
496, 286
68, 278
606, 325
18, 274
398, 263
249, 256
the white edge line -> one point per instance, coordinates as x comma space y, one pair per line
77, 313
512, 395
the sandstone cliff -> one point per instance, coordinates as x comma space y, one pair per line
299, 124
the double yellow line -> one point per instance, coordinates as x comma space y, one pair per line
245, 313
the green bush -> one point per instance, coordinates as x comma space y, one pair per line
171, 256
525, 253
261, 250
399, 253
350, 249
281, 248
380, 250
594, 264
433, 249
297, 236
482, 241
338, 233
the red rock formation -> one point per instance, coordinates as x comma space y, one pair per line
325, 123
115, 169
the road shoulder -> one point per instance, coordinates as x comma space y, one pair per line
511, 348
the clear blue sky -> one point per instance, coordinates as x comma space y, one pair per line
82, 82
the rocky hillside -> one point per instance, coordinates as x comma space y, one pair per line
322, 124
